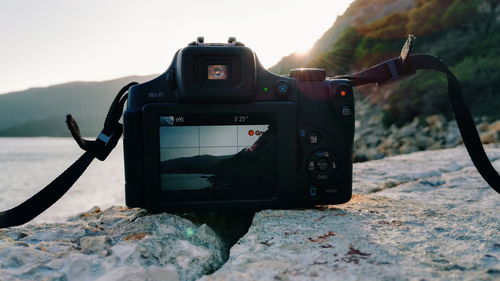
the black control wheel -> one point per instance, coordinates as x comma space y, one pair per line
321, 165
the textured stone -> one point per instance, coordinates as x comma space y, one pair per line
495, 127
422, 216
430, 133
452, 135
490, 137
435, 121
116, 244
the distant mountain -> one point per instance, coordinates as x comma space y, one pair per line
42, 111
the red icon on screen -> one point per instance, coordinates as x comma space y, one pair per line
255, 133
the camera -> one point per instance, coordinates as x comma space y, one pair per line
217, 131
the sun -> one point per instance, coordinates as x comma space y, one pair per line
303, 52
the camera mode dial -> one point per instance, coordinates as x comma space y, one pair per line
308, 74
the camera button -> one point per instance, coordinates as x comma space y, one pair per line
344, 92
323, 165
322, 177
322, 153
281, 89
302, 132
311, 166
314, 138
313, 191
346, 111
330, 191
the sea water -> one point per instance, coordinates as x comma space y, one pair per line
29, 164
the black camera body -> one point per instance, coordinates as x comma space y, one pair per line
218, 131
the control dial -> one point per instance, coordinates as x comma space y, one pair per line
308, 74
321, 165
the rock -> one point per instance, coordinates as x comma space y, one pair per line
409, 145
116, 244
373, 153
436, 121
424, 142
452, 135
389, 142
421, 216
407, 131
490, 137
483, 127
372, 139
136, 272
94, 244
495, 127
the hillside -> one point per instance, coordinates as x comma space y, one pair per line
360, 12
464, 33
42, 111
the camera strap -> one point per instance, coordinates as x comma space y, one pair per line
98, 148
407, 64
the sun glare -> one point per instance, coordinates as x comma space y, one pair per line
303, 53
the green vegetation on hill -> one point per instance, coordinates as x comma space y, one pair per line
465, 34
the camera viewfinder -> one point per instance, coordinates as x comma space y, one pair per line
217, 72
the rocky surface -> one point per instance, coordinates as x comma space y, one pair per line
116, 244
422, 216
373, 141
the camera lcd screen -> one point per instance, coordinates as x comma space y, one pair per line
225, 154
217, 72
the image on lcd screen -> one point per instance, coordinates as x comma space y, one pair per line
217, 72
216, 156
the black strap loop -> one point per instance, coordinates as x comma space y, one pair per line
407, 64
110, 134
99, 148
463, 116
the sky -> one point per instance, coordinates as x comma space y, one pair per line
55, 41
